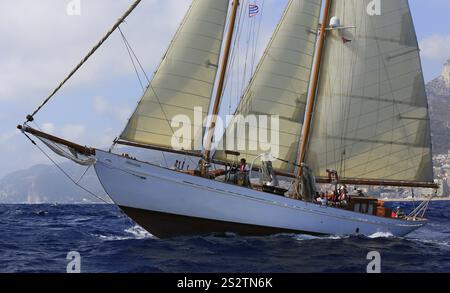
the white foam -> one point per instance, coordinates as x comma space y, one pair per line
336, 237
112, 238
381, 235
135, 232
138, 232
302, 237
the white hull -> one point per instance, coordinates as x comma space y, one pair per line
169, 203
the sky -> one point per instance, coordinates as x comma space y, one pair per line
41, 41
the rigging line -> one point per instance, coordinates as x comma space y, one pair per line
132, 59
241, 83
165, 159
166, 118
346, 105
55, 145
84, 173
135, 56
253, 45
64, 172
150, 84
234, 51
132, 53
258, 34
247, 48
235, 58
130, 49
235, 63
85, 59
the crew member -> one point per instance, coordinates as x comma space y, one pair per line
243, 167
399, 214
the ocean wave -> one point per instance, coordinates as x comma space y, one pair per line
430, 241
101, 234
132, 233
112, 237
303, 237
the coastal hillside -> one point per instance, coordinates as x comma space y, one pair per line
47, 184
438, 91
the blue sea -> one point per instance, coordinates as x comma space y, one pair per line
37, 238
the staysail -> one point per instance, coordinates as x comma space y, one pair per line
371, 116
279, 87
184, 81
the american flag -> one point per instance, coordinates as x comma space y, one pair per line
253, 10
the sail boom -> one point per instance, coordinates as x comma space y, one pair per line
386, 183
79, 148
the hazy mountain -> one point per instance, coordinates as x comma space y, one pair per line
438, 91
47, 184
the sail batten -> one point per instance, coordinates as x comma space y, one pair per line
371, 118
278, 88
184, 81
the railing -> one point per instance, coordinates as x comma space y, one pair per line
420, 211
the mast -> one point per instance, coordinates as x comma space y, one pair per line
313, 89
221, 82
342, 131
279, 85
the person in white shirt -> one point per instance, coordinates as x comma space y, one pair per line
323, 200
243, 167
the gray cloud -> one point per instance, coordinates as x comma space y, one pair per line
41, 43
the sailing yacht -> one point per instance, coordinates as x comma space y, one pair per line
348, 88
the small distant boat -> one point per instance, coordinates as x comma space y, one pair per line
352, 107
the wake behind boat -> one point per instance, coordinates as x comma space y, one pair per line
350, 108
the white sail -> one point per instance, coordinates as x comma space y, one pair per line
184, 79
280, 84
371, 116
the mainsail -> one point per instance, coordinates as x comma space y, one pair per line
279, 86
184, 79
371, 116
